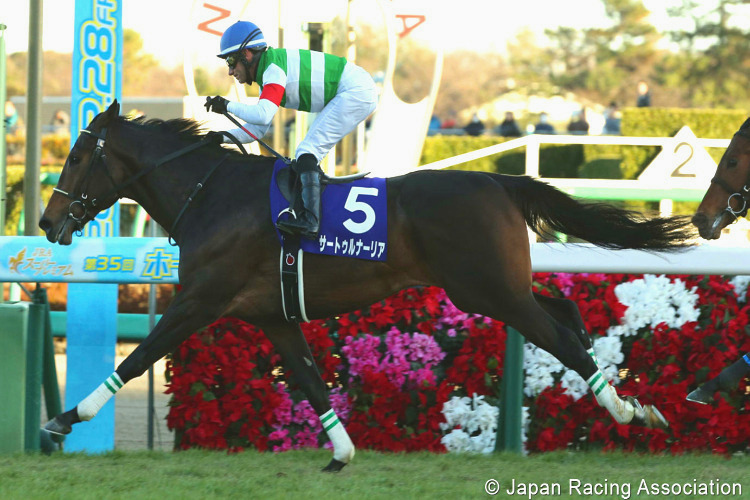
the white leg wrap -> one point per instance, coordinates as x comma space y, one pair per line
343, 448
90, 406
606, 395
593, 356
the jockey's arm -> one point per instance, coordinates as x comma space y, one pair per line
258, 117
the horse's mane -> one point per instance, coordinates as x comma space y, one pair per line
184, 129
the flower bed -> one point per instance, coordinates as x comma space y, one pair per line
415, 373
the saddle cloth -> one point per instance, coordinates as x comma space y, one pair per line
354, 218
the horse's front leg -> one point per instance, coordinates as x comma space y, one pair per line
727, 380
185, 315
290, 343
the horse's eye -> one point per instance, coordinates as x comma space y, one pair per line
732, 162
73, 159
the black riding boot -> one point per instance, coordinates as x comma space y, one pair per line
307, 222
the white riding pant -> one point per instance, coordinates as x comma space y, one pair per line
355, 99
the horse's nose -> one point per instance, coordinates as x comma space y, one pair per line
45, 224
699, 220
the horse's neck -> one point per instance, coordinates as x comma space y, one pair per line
163, 191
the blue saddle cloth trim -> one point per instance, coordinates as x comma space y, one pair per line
354, 218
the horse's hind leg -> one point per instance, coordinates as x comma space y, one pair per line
290, 343
566, 312
555, 325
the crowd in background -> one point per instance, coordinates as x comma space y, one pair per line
541, 124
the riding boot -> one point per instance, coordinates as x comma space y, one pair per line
307, 223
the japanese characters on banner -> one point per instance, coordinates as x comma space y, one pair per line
89, 260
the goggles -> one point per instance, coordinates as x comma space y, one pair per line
233, 59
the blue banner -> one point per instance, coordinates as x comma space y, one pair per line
88, 260
92, 309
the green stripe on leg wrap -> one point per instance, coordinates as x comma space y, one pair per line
115, 380
109, 386
595, 379
331, 425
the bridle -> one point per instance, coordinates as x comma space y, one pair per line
82, 198
98, 155
742, 194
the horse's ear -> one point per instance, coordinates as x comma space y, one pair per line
114, 108
110, 114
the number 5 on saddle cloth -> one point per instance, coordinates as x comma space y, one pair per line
353, 223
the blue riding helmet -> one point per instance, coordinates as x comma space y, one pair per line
241, 35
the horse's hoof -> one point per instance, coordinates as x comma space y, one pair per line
647, 416
334, 466
654, 418
700, 396
57, 426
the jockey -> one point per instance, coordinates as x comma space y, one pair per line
342, 93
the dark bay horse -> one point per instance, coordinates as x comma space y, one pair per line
463, 231
725, 201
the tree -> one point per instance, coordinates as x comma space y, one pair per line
712, 63
606, 63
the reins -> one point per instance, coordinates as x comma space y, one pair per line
262, 143
98, 155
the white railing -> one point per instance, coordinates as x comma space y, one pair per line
534, 141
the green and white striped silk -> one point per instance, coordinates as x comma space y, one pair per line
310, 79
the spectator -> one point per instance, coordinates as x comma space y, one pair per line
475, 126
509, 127
612, 119
578, 124
60, 122
544, 126
11, 118
434, 123
449, 123
644, 95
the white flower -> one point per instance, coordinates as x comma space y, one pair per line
653, 300
540, 367
740, 284
477, 421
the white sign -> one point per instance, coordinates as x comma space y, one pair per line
681, 163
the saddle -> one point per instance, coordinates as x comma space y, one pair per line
288, 182
290, 267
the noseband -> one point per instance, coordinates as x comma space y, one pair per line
742, 194
82, 198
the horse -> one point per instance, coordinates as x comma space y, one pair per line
463, 231
725, 201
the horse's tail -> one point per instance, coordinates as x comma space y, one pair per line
548, 210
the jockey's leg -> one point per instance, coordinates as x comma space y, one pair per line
306, 223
